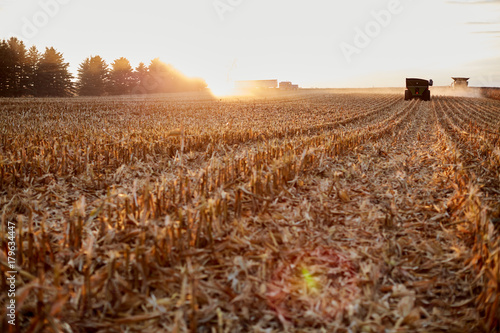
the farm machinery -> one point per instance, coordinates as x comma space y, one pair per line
418, 88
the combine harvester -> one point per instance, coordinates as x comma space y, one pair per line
418, 88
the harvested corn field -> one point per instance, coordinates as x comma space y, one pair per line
306, 212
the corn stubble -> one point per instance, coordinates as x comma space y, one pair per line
306, 213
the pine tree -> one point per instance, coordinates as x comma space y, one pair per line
17, 69
162, 77
27, 72
121, 77
6, 68
31, 63
12, 54
92, 77
52, 75
140, 79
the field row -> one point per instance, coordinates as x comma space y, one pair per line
322, 211
30, 150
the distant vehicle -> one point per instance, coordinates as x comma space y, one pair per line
460, 82
418, 88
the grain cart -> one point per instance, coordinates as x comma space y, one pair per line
418, 88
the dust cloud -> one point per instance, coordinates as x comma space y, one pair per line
456, 92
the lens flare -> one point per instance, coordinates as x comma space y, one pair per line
310, 281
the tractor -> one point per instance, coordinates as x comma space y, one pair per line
418, 88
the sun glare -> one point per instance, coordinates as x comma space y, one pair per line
221, 88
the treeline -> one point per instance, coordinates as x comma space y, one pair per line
28, 72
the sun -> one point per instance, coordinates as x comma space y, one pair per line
221, 88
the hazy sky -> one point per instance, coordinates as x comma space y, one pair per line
315, 43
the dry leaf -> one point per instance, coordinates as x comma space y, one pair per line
344, 196
405, 305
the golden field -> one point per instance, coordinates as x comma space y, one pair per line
315, 211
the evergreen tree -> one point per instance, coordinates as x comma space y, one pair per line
141, 71
158, 76
92, 77
140, 79
6, 66
52, 75
18, 78
121, 77
12, 54
31, 63
27, 72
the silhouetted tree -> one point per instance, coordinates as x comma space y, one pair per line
159, 78
92, 77
27, 72
12, 55
7, 60
141, 76
121, 77
31, 63
19, 79
52, 77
